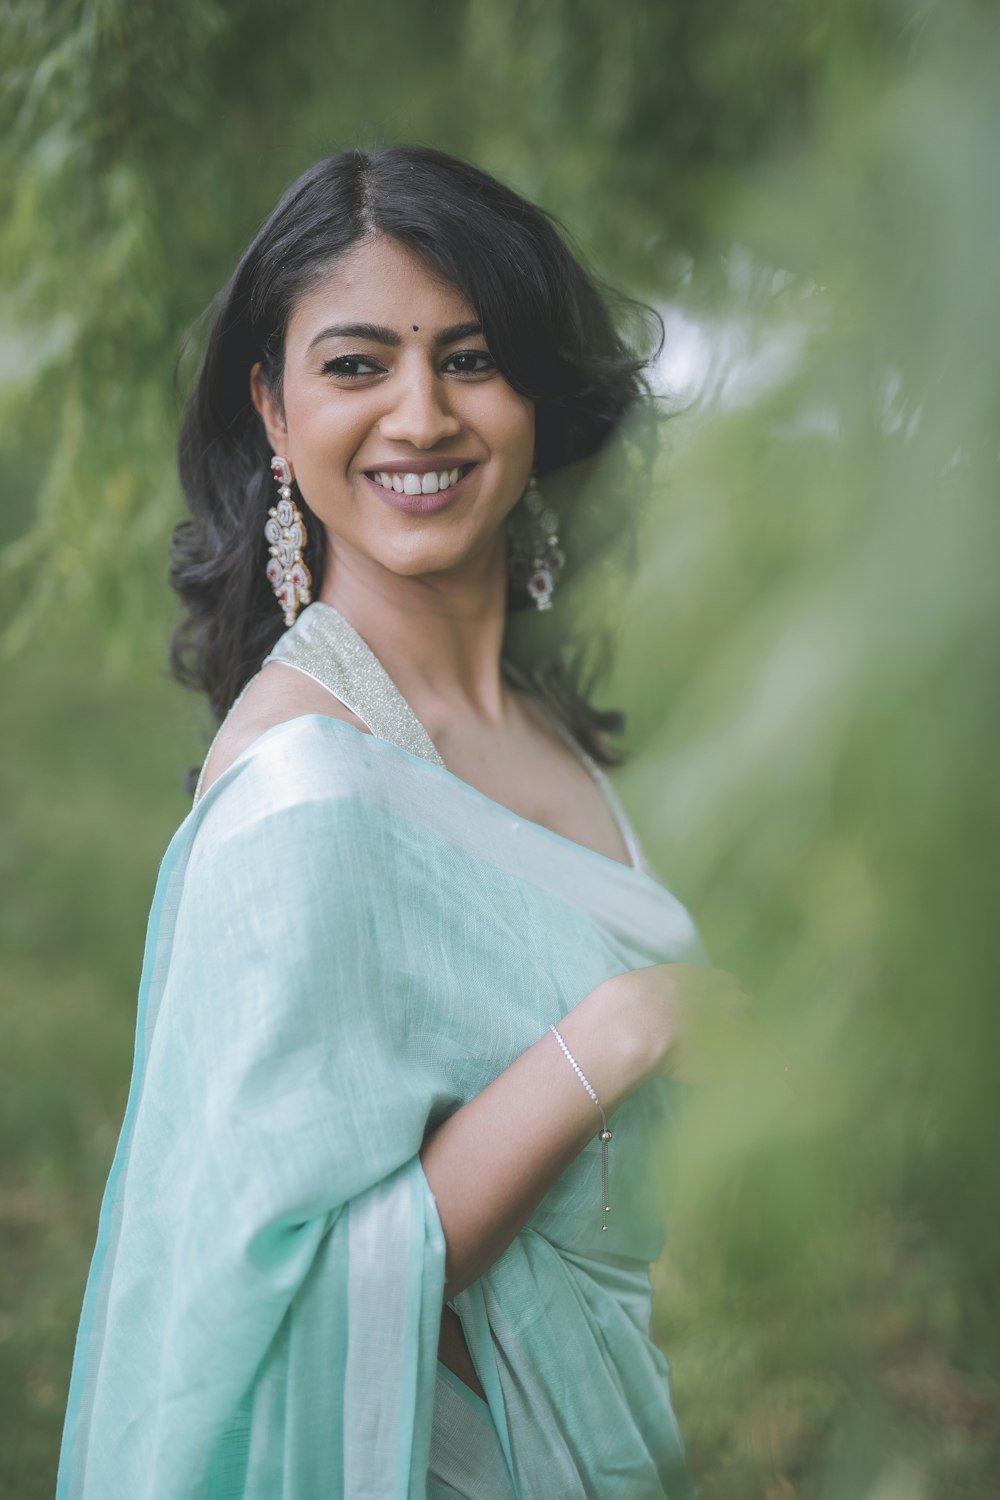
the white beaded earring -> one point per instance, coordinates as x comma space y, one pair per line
534, 558
285, 531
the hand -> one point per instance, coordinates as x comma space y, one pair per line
688, 1020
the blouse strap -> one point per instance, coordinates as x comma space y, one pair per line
617, 811
326, 647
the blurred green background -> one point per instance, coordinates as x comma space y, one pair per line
807, 652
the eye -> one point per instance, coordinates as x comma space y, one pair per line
471, 362
352, 366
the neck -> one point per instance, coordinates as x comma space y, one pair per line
440, 638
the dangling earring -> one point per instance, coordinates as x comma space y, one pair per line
534, 557
285, 530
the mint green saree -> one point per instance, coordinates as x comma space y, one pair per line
346, 943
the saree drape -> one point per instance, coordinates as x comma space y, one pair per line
346, 943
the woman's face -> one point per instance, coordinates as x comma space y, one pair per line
389, 389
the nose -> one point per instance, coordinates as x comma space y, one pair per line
418, 412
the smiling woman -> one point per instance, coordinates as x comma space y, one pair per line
420, 422
363, 1234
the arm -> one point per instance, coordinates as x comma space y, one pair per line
491, 1163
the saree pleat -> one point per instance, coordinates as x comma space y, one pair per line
346, 944
467, 1459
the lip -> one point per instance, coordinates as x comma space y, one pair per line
419, 465
421, 505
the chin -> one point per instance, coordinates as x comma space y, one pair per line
442, 555
428, 566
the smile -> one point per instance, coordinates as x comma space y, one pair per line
435, 482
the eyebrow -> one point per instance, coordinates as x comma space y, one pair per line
377, 333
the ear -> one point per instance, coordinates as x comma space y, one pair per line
269, 411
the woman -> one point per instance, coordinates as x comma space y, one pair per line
407, 976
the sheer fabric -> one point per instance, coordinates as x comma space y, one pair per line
346, 944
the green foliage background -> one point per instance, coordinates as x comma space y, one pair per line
808, 650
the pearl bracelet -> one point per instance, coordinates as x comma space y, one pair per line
604, 1135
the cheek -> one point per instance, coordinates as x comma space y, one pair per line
317, 418
324, 436
512, 421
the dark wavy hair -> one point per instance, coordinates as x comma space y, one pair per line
546, 323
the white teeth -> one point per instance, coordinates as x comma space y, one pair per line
416, 484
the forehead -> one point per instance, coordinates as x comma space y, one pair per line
378, 281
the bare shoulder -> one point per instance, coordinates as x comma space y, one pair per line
278, 693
